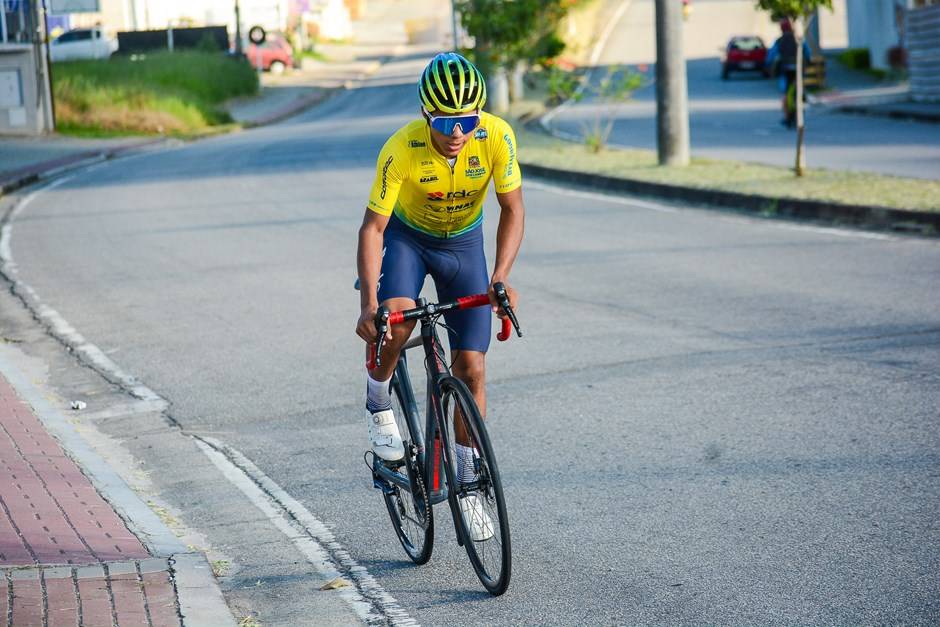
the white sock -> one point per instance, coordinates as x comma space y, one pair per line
377, 396
465, 470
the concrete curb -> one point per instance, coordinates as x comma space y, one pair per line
921, 223
896, 114
201, 600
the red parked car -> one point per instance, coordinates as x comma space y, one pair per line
744, 54
276, 55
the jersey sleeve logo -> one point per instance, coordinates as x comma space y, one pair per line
385, 177
512, 155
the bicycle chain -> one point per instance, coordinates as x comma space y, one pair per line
427, 503
415, 472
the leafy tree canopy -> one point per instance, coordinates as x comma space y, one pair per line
793, 8
512, 31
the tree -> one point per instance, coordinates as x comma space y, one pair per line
508, 34
800, 13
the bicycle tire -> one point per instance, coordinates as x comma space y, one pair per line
491, 558
412, 515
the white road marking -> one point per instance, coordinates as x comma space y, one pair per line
367, 598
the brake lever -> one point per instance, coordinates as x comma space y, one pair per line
381, 325
502, 297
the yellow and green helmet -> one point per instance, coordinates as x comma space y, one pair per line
451, 84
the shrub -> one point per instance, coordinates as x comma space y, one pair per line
179, 92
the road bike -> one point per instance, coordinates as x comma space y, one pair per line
428, 473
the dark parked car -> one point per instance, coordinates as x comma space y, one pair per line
744, 54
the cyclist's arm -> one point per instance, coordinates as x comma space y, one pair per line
508, 182
508, 236
389, 176
369, 257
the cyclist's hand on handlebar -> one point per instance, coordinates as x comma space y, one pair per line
365, 328
494, 301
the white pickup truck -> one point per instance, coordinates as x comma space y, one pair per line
82, 43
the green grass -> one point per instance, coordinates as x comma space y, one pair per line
176, 93
312, 54
855, 188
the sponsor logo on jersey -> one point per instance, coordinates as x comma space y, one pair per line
473, 162
414, 143
385, 177
428, 179
480, 134
463, 193
474, 173
425, 163
512, 155
449, 208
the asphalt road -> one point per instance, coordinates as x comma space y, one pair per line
711, 419
739, 118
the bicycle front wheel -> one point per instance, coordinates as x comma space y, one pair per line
411, 513
480, 510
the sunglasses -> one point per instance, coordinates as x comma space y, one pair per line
447, 123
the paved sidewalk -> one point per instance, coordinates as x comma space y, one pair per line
857, 91
66, 557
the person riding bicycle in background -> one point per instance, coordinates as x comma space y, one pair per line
782, 59
425, 216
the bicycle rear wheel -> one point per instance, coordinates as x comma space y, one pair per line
411, 514
479, 507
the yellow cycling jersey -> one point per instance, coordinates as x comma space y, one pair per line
417, 183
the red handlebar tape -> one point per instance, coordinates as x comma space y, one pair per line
464, 302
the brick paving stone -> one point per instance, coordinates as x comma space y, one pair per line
128, 601
61, 602
59, 515
95, 601
4, 604
161, 599
12, 549
27, 598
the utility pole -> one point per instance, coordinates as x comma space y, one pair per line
41, 58
47, 63
672, 97
238, 29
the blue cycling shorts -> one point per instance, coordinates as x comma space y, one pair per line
458, 267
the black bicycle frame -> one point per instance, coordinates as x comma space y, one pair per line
432, 439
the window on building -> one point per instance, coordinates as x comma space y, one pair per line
16, 21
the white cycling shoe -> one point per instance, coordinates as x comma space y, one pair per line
384, 436
478, 521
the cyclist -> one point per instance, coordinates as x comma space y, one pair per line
782, 58
424, 217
